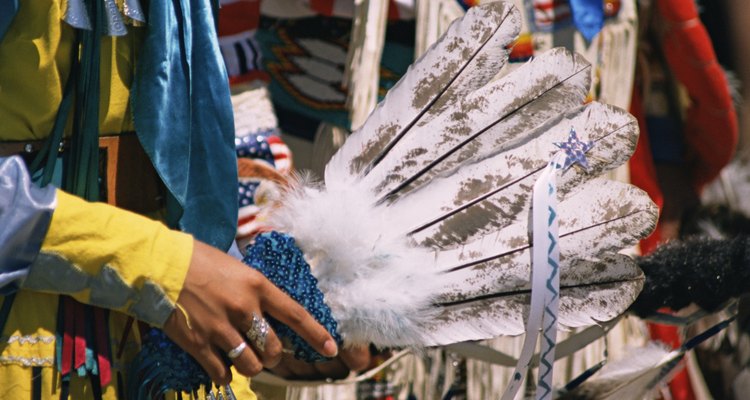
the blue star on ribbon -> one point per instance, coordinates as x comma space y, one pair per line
575, 150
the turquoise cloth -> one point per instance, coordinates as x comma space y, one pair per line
183, 118
8, 10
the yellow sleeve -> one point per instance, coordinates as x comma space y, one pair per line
112, 258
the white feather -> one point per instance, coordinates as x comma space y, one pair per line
485, 121
379, 288
497, 188
630, 378
465, 58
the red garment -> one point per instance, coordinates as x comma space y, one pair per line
643, 175
711, 129
642, 169
710, 133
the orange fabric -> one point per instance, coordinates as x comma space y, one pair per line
711, 130
643, 175
253, 75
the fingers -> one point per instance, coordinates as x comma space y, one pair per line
286, 310
245, 361
356, 358
212, 363
263, 340
334, 369
291, 368
221, 303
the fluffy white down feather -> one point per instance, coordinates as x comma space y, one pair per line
378, 286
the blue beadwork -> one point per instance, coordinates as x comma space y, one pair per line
162, 366
277, 257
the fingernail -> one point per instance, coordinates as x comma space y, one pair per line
330, 349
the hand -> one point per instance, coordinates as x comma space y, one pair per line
349, 359
219, 296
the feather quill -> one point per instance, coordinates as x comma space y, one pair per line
485, 121
464, 59
495, 192
591, 291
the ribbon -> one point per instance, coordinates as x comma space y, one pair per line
545, 271
76, 15
588, 17
183, 118
134, 11
115, 24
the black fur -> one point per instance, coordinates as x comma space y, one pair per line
707, 272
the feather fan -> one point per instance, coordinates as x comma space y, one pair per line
419, 234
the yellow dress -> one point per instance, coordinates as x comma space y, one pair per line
88, 246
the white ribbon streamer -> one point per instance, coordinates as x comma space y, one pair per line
545, 269
544, 279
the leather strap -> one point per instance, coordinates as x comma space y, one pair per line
131, 180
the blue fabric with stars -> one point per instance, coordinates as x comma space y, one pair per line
575, 150
255, 146
277, 257
247, 192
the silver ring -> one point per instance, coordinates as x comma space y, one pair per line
258, 331
235, 352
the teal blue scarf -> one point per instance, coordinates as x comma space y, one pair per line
183, 117
8, 10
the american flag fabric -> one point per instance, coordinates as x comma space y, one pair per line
265, 147
263, 163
